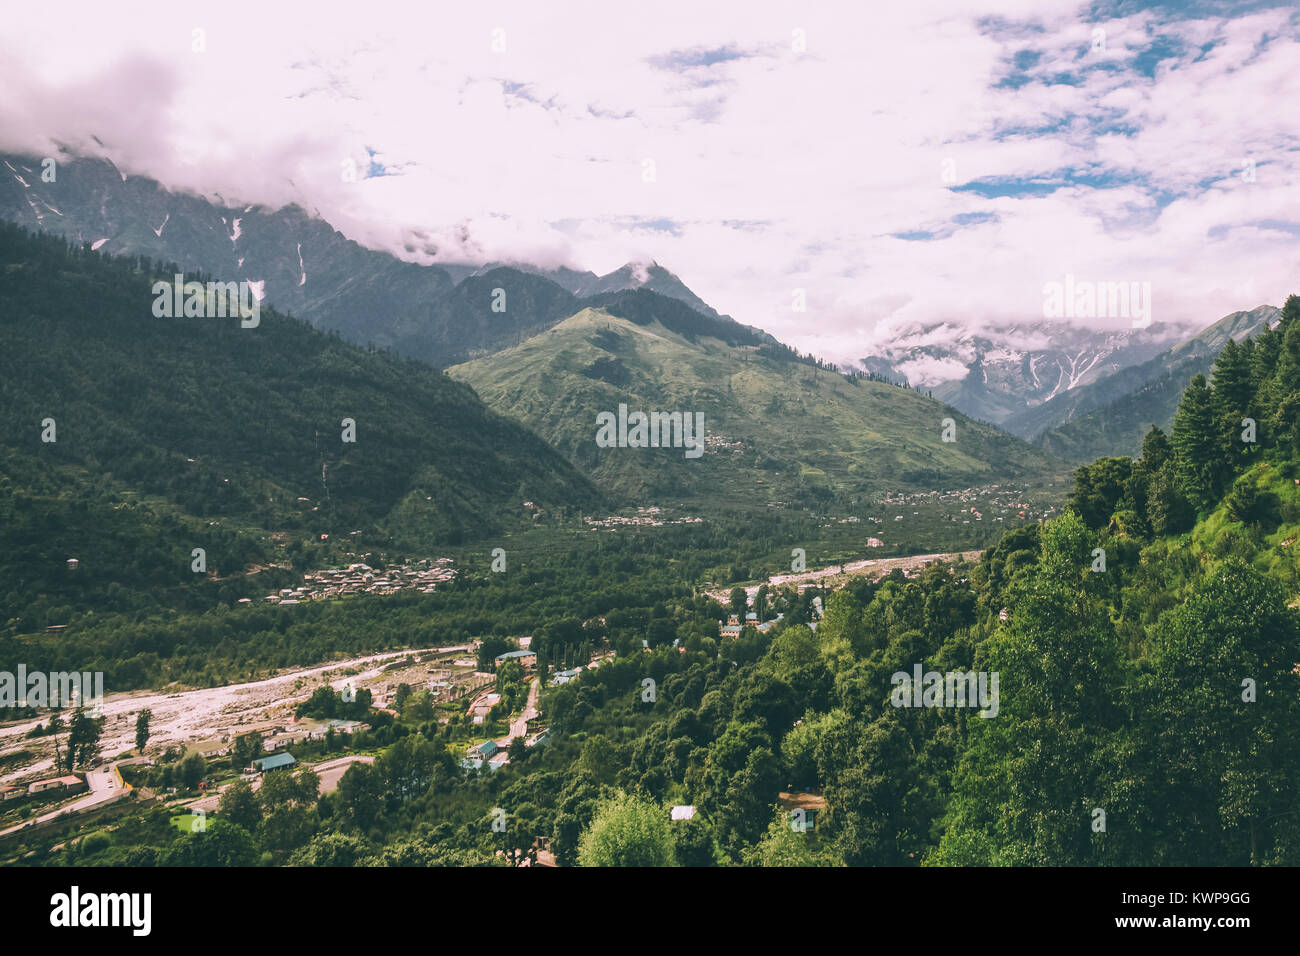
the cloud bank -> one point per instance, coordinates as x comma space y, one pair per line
901, 163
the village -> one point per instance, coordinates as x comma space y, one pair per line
1000, 502
359, 578
646, 517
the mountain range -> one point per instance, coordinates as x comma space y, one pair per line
1112, 415
1045, 382
305, 267
997, 373
129, 439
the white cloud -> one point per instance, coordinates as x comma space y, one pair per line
778, 170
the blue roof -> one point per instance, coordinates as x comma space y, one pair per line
275, 762
509, 654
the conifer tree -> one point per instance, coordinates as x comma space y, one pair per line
1198, 455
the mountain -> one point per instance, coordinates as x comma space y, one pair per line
779, 429
1112, 416
634, 275
650, 276
1078, 402
994, 374
176, 433
440, 315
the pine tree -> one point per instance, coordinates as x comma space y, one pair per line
1198, 456
1156, 450
1233, 402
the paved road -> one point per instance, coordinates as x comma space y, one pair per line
519, 726
103, 789
331, 771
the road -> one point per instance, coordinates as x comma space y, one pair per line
519, 726
331, 771
103, 789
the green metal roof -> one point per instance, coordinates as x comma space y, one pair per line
275, 762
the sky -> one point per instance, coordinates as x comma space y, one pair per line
889, 164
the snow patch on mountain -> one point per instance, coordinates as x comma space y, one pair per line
993, 372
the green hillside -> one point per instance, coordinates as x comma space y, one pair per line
173, 434
780, 430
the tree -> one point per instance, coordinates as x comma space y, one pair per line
239, 805
1025, 790
289, 815
322, 704
407, 767
245, 749
628, 830
191, 770
488, 651
330, 849
739, 603
1222, 712
83, 739
220, 844
520, 835
361, 795
510, 672
1098, 488
694, 841
142, 729
1196, 446
783, 845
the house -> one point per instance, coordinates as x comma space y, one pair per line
281, 761
11, 793
682, 813
563, 677
68, 782
486, 749
348, 726
526, 658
